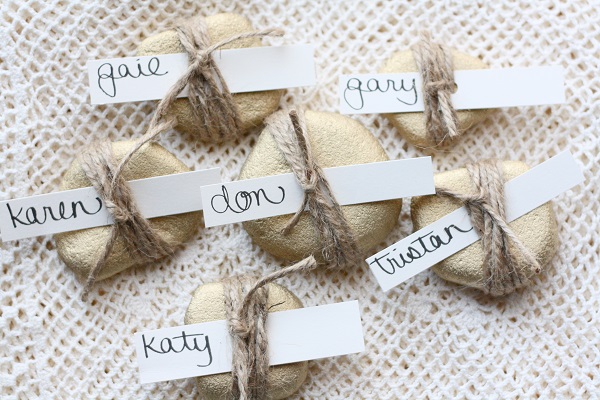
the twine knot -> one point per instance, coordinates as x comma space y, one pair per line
432, 88
212, 103
145, 245
246, 306
437, 71
339, 249
508, 262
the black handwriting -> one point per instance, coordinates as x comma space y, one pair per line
242, 200
107, 74
32, 215
427, 243
355, 88
174, 345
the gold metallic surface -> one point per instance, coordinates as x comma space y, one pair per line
412, 125
537, 229
208, 305
80, 249
253, 107
336, 140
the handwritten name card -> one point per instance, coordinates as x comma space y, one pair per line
281, 194
205, 349
255, 69
486, 88
72, 210
454, 232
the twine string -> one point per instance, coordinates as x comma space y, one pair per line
437, 71
247, 310
508, 262
340, 249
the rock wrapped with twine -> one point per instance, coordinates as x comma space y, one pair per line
508, 262
339, 247
437, 72
211, 112
143, 242
212, 104
247, 311
206, 88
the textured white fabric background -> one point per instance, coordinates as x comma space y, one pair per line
427, 338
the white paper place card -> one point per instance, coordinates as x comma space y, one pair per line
76, 209
485, 88
454, 232
281, 194
205, 349
254, 69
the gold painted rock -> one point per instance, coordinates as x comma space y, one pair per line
336, 140
81, 249
253, 107
208, 304
412, 125
537, 229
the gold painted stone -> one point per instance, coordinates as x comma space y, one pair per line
208, 305
537, 229
253, 107
336, 140
412, 125
81, 249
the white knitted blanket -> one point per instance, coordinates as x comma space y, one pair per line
426, 338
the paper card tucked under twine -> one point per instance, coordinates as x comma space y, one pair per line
213, 108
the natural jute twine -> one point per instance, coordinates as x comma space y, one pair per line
340, 249
508, 263
435, 66
212, 103
211, 100
247, 310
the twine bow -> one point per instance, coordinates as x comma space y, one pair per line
508, 262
